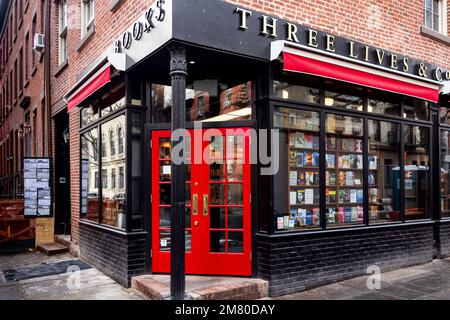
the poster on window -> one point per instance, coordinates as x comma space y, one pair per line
37, 187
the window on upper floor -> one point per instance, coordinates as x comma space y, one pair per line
435, 15
87, 15
62, 31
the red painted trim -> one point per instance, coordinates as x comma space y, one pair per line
296, 63
99, 81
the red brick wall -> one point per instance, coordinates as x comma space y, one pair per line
35, 86
390, 24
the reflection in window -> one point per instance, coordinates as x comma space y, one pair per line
89, 176
297, 200
120, 138
206, 100
384, 160
114, 199
112, 143
416, 182
298, 92
383, 103
342, 95
416, 109
445, 172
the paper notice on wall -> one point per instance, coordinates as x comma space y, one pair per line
37, 187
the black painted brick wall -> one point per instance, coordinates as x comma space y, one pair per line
442, 230
296, 263
120, 257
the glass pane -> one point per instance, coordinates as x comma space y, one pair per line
384, 161
206, 100
428, 19
164, 217
217, 172
218, 241
292, 88
445, 171
216, 148
235, 218
217, 220
165, 194
297, 196
235, 171
416, 109
445, 115
89, 115
340, 100
165, 171
235, 242
235, 147
383, 103
165, 148
436, 26
429, 5
164, 240
417, 162
90, 178
235, 194
217, 192
344, 177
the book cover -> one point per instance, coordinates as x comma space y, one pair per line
359, 196
332, 196
293, 178
359, 161
373, 194
348, 215
316, 178
316, 216
353, 196
309, 179
349, 179
300, 159
299, 140
331, 124
330, 159
358, 145
331, 143
345, 146
327, 178
308, 159
292, 198
353, 164
302, 217
316, 196
341, 196
360, 213
373, 162
372, 181
301, 178
309, 218
331, 215
301, 196
308, 141
309, 196
332, 181
347, 196
292, 158
341, 178
354, 214
346, 162
292, 140
316, 159
340, 215
351, 144
341, 162
316, 142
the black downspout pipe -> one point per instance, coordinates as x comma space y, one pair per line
178, 73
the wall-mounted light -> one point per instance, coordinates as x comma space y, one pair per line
329, 101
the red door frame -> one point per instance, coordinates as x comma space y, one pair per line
199, 260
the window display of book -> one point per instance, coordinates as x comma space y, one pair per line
304, 180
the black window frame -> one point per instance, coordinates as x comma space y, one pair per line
272, 101
438, 153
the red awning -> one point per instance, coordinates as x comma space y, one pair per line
90, 87
360, 75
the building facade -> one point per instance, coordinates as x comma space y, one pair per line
356, 93
23, 117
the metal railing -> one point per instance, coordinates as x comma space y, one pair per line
11, 186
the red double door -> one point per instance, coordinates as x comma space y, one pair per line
218, 205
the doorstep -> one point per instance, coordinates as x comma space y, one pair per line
52, 248
157, 287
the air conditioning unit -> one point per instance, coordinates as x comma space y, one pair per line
39, 44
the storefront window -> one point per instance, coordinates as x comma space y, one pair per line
417, 170
384, 161
297, 196
383, 103
206, 101
445, 115
89, 176
89, 115
416, 109
114, 199
343, 96
305, 90
445, 172
344, 177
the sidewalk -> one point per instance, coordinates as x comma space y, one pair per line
425, 282
93, 285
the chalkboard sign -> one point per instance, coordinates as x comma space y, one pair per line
37, 187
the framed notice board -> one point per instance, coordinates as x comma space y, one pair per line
37, 187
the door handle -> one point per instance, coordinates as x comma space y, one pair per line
205, 205
195, 204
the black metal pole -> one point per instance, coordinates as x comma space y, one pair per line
178, 73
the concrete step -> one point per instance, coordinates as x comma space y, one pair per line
157, 287
53, 248
64, 240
